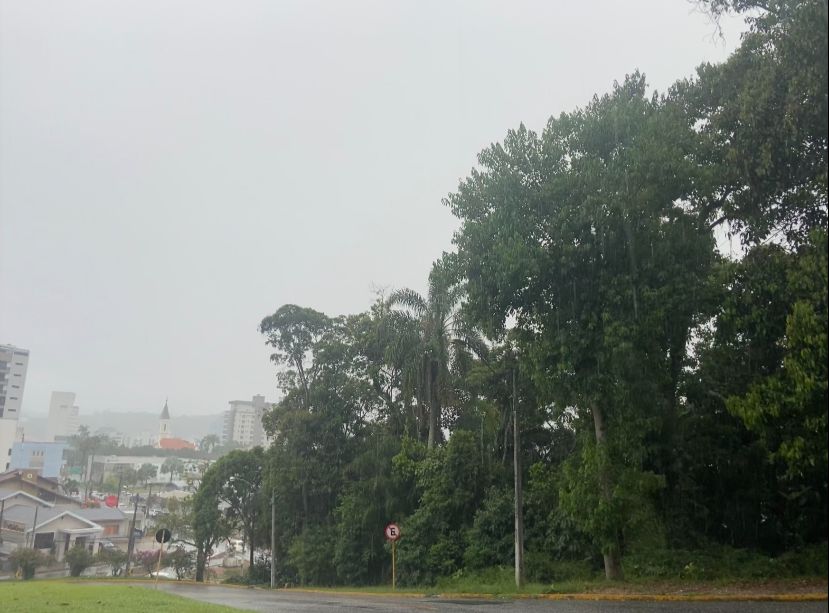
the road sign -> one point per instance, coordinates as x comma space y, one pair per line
163, 536
392, 532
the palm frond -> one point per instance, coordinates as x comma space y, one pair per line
408, 299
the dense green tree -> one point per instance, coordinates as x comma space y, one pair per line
207, 524
668, 398
764, 115
292, 331
209, 443
581, 236
146, 472
239, 474
442, 334
174, 466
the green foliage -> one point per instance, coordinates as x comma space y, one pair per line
452, 482
719, 562
234, 481
490, 539
79, 559
183, 562
148, 559
27, 561
114, 558
671, 403
312, 554
174, 466
147, 472
788, 406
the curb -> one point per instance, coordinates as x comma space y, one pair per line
806, 597
597, 596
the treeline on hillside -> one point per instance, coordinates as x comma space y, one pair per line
668, 398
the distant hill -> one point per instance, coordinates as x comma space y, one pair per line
190, 427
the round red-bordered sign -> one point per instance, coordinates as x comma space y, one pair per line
392, 532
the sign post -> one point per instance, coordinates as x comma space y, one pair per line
162, 536
392, 533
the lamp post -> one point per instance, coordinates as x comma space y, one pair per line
273, 538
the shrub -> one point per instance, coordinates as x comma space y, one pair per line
312, 553
721, 562
79, 559
182, 562
148, 559
115, 559
27, 561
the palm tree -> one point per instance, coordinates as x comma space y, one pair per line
442, 338
172, 466
209, 443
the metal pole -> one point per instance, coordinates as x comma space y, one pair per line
158, 566
2, 510
273, 539
120, 482
131, 542
519, 503
149, 503
393, 567
34, 528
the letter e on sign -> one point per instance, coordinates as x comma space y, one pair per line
392, 532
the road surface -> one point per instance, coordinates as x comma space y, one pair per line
320, 602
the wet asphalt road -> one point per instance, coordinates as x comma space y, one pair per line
305, 602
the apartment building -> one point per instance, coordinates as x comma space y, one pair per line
14, 362
243, 422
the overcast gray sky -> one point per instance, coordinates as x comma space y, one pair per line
171, 172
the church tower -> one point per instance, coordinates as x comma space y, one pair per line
164, 423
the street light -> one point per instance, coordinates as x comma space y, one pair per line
273, 538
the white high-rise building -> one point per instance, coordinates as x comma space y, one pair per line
63, 420
243, 422
13, 364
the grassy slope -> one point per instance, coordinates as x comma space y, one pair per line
51, 596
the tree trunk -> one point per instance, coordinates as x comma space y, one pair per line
304, 491
250, 552
201, 561
612, 556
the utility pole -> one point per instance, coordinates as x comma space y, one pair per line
149, 502
88, 484
120, 482
34, 528
273, 539
519, 498
131, 542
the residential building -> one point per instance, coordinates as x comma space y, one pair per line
63, 419
33, 515
13, 364
31, 482
243, 422
47, 458
47, 528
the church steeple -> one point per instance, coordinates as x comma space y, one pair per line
164, 422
